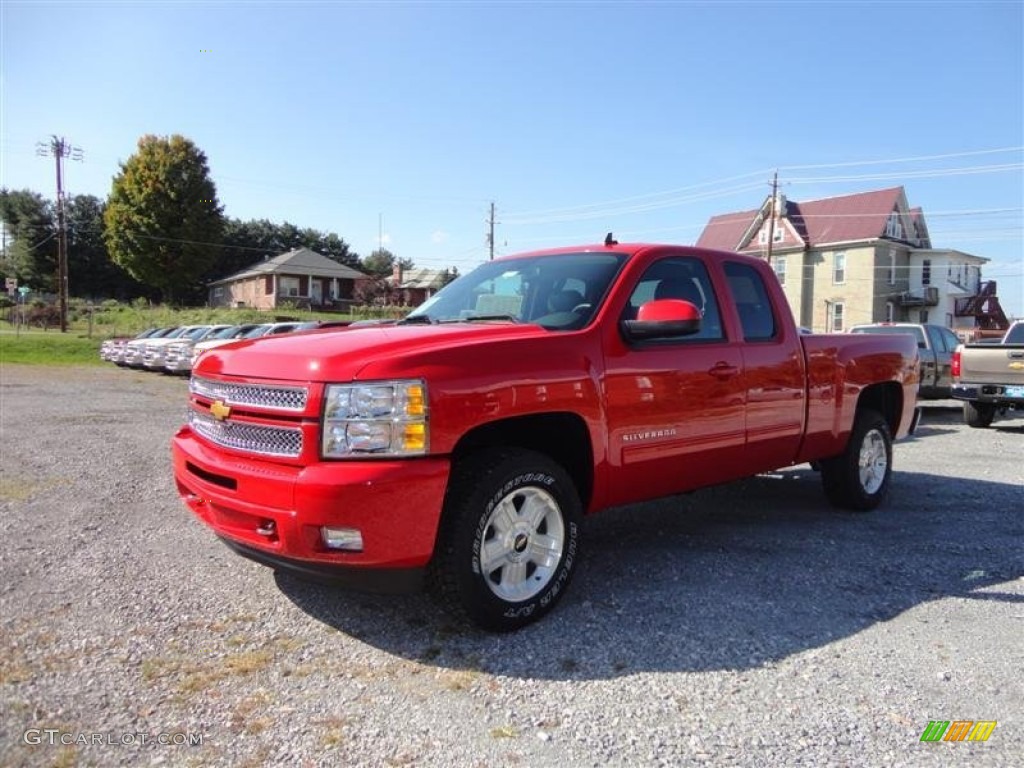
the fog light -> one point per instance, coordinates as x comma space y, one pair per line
349, 539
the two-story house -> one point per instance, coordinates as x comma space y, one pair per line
860, 258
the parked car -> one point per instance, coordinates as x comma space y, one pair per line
464, 444
989, 378
111, 350
223, 337
135, 350
155, 350
178, 354
935, 344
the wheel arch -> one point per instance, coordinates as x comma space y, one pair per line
562, 436
886, 398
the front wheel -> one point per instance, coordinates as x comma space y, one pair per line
978, 415
859, 478
509, 541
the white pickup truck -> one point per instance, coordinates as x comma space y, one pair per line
989, 378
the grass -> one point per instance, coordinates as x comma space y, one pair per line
48, 348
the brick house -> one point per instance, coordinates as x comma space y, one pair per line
301, 277
414, 286
860, 258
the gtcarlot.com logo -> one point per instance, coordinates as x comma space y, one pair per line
958, 730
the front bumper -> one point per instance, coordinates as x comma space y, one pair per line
273, 512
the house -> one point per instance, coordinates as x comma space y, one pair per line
411, 287
301, 277
860, 258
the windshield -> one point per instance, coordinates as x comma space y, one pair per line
558, 291
256, 332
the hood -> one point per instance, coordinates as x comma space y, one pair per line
340, 354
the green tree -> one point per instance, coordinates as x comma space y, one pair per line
91, 273
30, 249
381, 263
163, 223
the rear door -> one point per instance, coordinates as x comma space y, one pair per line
774, 378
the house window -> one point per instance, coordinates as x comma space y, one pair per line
839, 269
835, 323
890, 312
926, 272
288, 286
780, 269
894, 227
922, 316
777, 235
892, 267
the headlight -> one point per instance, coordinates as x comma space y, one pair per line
384, 418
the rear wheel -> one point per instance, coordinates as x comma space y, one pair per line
509, 541
859, 478
978, 415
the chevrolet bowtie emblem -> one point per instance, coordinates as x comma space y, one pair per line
219, 410
1016, 366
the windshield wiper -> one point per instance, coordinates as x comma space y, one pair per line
416, 319
474, 318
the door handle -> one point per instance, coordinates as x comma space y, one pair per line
723, 371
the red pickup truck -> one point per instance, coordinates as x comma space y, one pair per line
465, 443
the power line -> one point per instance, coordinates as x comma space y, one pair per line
946, 156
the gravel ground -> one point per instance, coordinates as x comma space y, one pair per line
744, 625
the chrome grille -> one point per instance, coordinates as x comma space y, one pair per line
254, 438
256, 395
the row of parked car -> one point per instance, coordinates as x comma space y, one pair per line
175, 350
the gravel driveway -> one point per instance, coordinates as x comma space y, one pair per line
744, 625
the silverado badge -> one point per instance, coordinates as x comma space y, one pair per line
219, 410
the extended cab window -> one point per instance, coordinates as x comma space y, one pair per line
680, 278
752, 303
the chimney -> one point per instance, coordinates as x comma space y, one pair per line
396, 274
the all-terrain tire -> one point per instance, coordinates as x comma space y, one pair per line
509, 538
858, 479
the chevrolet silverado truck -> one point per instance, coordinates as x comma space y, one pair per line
461, 446
989, 378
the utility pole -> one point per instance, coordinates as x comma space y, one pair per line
771, 224
59, 149
490, 232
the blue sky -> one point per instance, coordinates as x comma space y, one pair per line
403, 122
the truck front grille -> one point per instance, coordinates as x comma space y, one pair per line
253, 438
254, 395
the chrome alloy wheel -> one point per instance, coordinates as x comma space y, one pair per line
873, 461
523, 542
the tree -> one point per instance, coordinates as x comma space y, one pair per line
381, 263
29, 224
163, 223
91, 273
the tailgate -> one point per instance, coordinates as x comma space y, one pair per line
992, 364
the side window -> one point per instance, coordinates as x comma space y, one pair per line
935, 339
683, 278
752, 302
952, 340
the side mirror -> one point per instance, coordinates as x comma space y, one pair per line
663, 318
